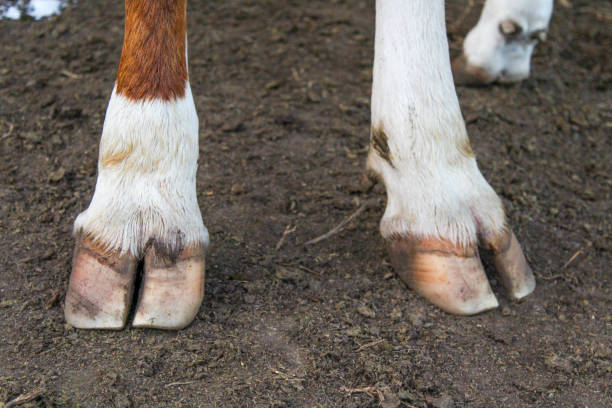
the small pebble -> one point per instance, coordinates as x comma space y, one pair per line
365, 311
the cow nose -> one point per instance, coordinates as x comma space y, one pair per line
466, 74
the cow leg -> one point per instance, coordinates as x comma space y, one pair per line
144, 204
438, 202
500, 46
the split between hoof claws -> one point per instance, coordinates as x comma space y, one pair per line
452, 277
101, 288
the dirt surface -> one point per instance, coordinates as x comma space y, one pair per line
282, 90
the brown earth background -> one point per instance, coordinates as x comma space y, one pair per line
282, 91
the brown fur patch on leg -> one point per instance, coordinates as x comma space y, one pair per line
167, 250
116, 157
465, 148
153, 62
379, 143
90, 242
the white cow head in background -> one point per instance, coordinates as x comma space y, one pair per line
499, 47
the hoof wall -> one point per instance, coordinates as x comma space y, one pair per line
515, 273
171, 291
100, 288
449, 276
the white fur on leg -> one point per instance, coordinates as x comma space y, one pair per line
145, 190
434, 187
453, 203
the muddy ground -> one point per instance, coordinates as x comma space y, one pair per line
282, 90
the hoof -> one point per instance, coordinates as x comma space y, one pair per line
449, 276
515, 273
172, 289
100, 288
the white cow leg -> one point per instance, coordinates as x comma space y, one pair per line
438, 203
145, 205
